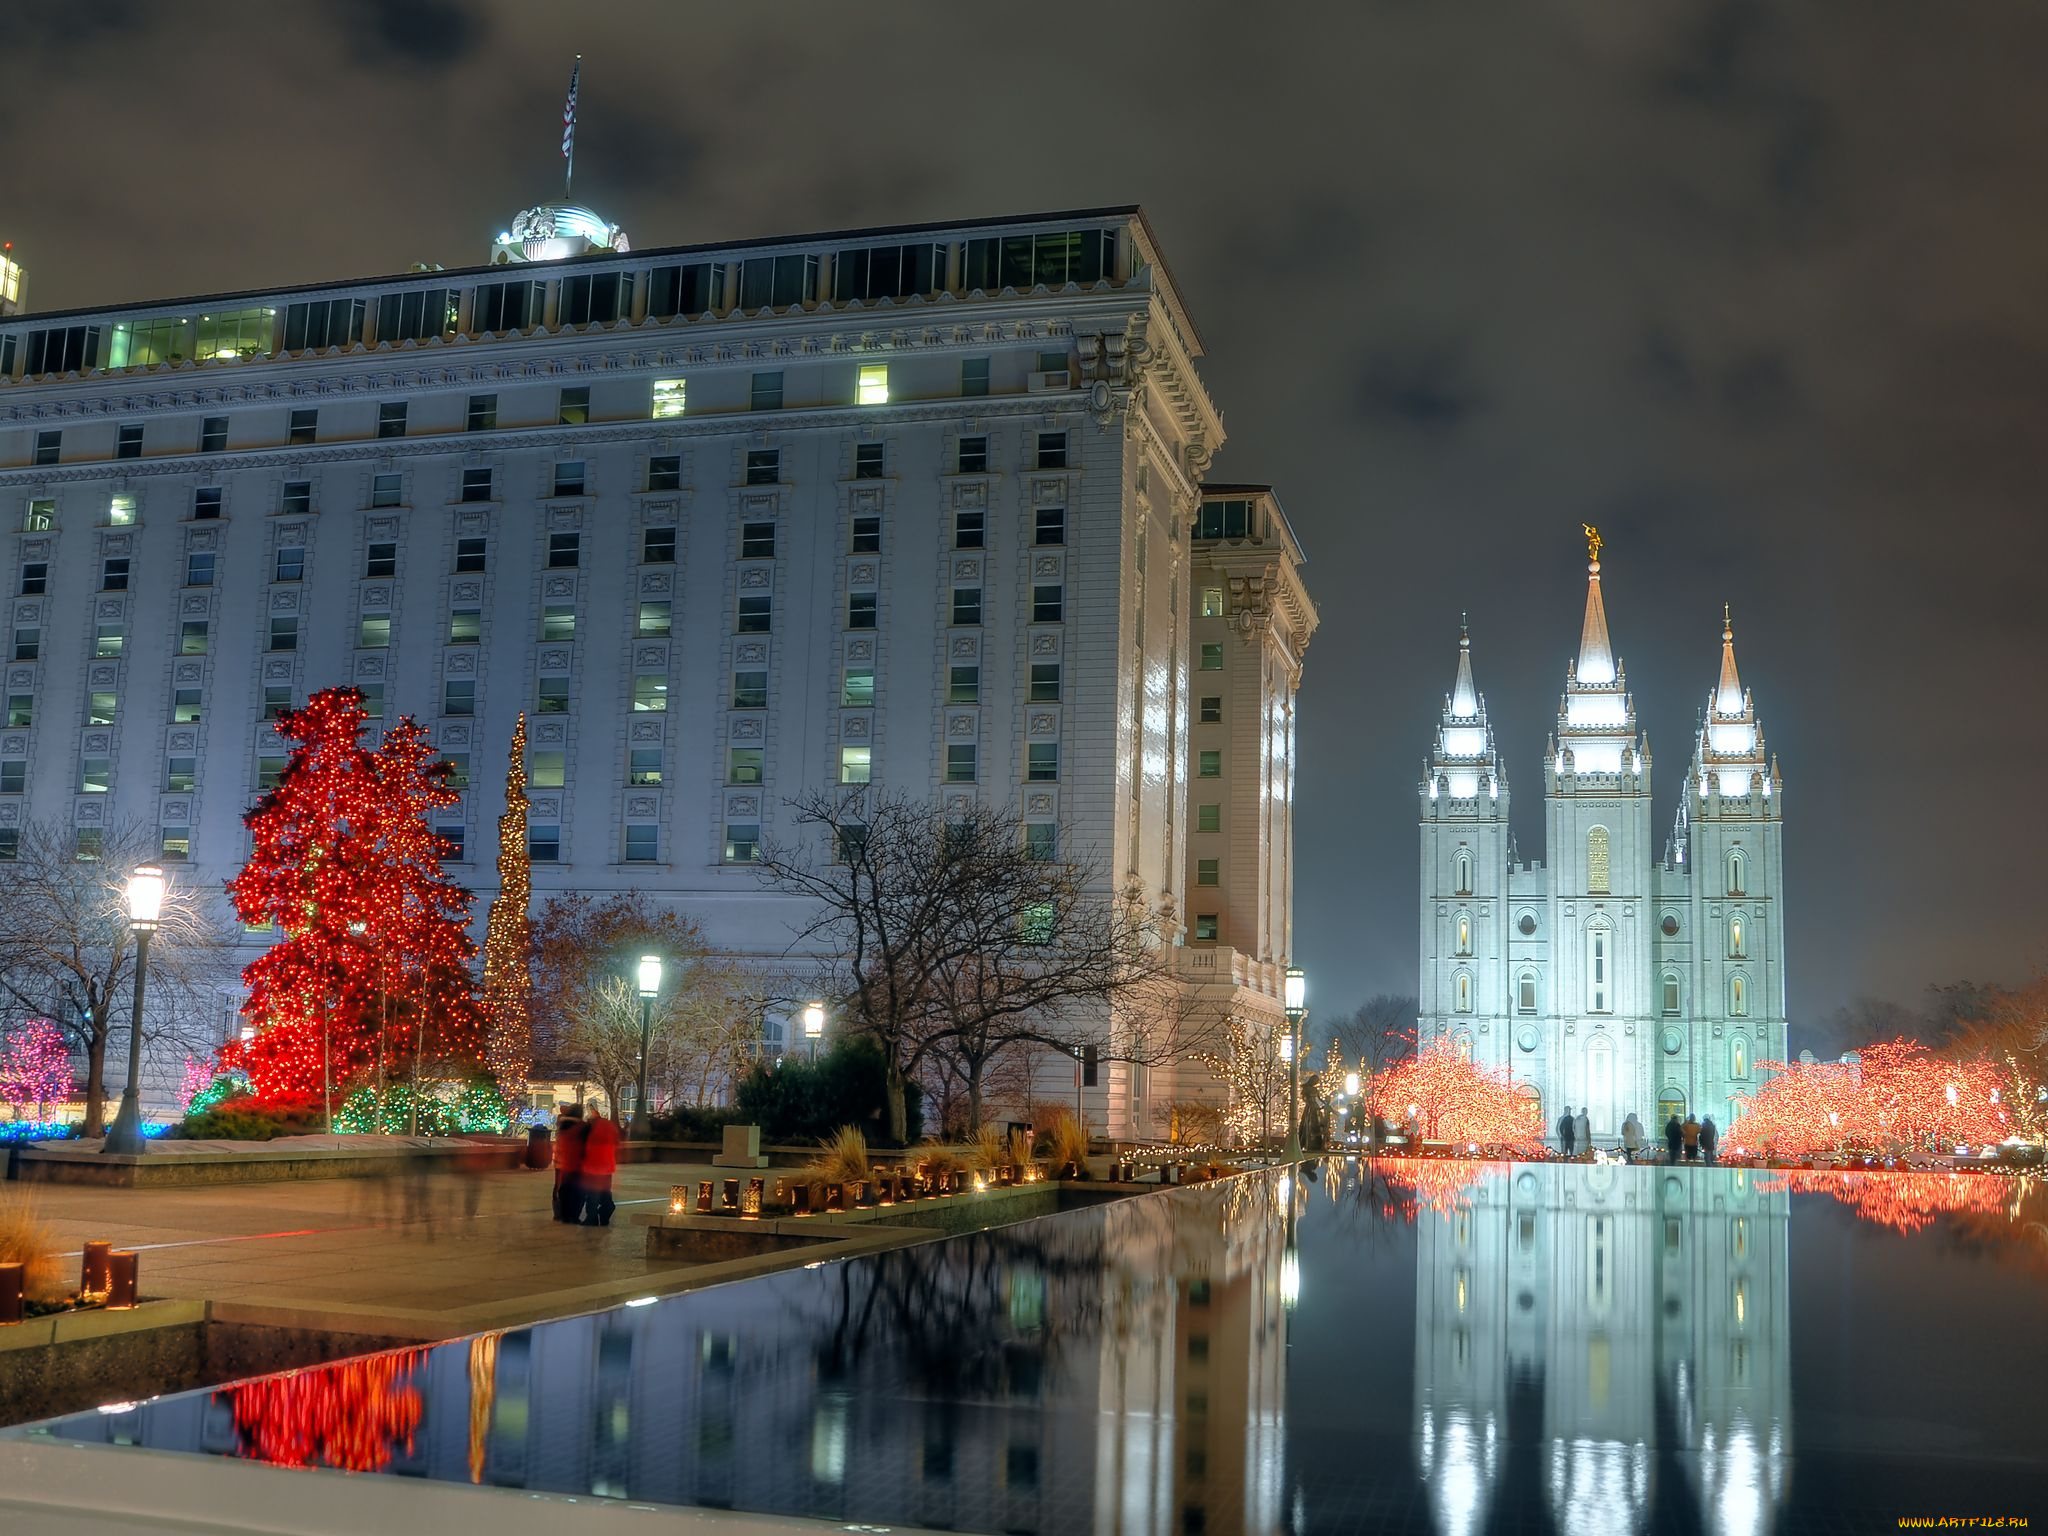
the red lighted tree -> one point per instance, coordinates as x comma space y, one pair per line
35, 1069
355, 1415
1897, 1097
1456, 1100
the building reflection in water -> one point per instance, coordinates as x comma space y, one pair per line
1608, 1343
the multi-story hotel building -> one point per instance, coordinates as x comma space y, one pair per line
915, 506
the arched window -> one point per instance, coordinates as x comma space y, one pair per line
1738, 1057
1671, 991
1738, 995
1463, 1042
1596, 861
1738, 866
1599, 968
1735, 936
1525, 992
1461, 992
1464, 933
1461, 872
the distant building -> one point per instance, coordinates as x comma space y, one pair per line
910, 506
1611, 978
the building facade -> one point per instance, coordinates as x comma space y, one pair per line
1615, 977
909, 507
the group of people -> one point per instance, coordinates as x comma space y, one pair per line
1684, 1140
586, 1157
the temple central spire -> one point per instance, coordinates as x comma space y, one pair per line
1596, 652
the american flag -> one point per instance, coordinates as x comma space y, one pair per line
569, 114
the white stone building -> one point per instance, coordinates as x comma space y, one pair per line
1614, 977
729, 522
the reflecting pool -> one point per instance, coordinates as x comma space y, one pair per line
1442, 1347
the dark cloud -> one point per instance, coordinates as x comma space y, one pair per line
1426, 389
430, 35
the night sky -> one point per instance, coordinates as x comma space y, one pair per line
1760, 290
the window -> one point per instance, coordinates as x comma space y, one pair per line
547, 769
650, 693
1738, 1057
1042, 762
415, 316
1209, 818
544, 843
85, 844
757, 541
1211, 711
49, 444
874, 384
668, 398
297, 498
665, 472
28, 643
1525, 993
290, 564
1738, 866
1670, 992
1024, 261
764, 466
756, 615
458, 696
21, 709
854, 764
96, 776
481, 415
180, 775
1735, 937
569, 477
380, 560
305, 425
1738, 995
206, 502
40, 517
277, 698
1461, 872
1048, 604
967, 605
642, 844
888, 271
1041, 841
973, 459
1051, 526
861, 609
964, 686
680, 290
643, 766
565, 551
1045, 682
1596, 861
120, 511
101, 704
974, 376
743, 765
199, 568
107, 641
1464, 933
387, 490
858, 689
1461, 1001
1211, 765
391, 418
551, 696
284, 633
867, 533
1598, 960
1212, 658
373, 631
505, 306
323, 323
774, 282
465, 626
850, 842
113, 574
35, 577
1208, 871
1212, 602
476, 484
454, 835
764, 392
596, 298
470, 554
1052, 362
1052, 446
213, 434
185, 706
654, 617
1206, 927
963, 763
458, 770
868, 461
558, 622
13, 779
1225, 520
128, 444
750, 690
742, 842
967, 529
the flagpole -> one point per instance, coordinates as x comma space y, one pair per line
569, 129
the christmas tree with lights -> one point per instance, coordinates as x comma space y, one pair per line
508, 938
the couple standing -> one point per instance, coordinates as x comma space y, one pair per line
586, 1157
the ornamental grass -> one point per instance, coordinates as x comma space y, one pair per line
26, 1239
842, 1157
1069, 1138
989, 1149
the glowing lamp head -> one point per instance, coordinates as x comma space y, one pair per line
650, 975
145, 896
1351, 1084
814, 1020
1297, 989
1290, 1277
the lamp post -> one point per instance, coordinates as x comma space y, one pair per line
145, 900
650, 984
1351, 1086
814, 1026
1297, 1010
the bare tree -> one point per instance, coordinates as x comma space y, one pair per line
67, 952
1380, 1031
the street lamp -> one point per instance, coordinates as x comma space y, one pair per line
814, 1026
1297, 1010
145, 899
650, 984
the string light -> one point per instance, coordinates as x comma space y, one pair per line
1895, 1098
353, 1416
1456, 1100
508, 937
35, 1068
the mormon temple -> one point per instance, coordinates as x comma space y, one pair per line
1607, 977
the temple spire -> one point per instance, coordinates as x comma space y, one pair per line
1728, 694
1596, 653
1464, 697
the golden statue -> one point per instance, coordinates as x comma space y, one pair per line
1593, 542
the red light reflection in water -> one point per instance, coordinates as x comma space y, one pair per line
353, 1416
1440, 1184
1905, 1202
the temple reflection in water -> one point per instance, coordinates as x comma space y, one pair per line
1585, 1336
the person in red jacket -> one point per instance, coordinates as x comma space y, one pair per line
569, 1134
600, 1162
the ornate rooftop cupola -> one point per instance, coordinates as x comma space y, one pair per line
1465, 766
1597, 743
1731, 769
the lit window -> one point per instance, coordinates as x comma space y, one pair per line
96, 776
120, 510
373, 632
458, 770
465, 626
1464, 933
854, 764
742, 842
193, 638
101, 705
743, 765
668, 398
1738, 1057
650, 693
858, 691
86, 843
1735, 937
547, 769
1462, 999
874, 384
1738, 995
1598, 960
107, 641
21, 709
40, 517
1525, 993
643, 766
373, 699
177, 843
654, 616
276, 700
1671, 994
1206, 927
574, 410
558, 622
